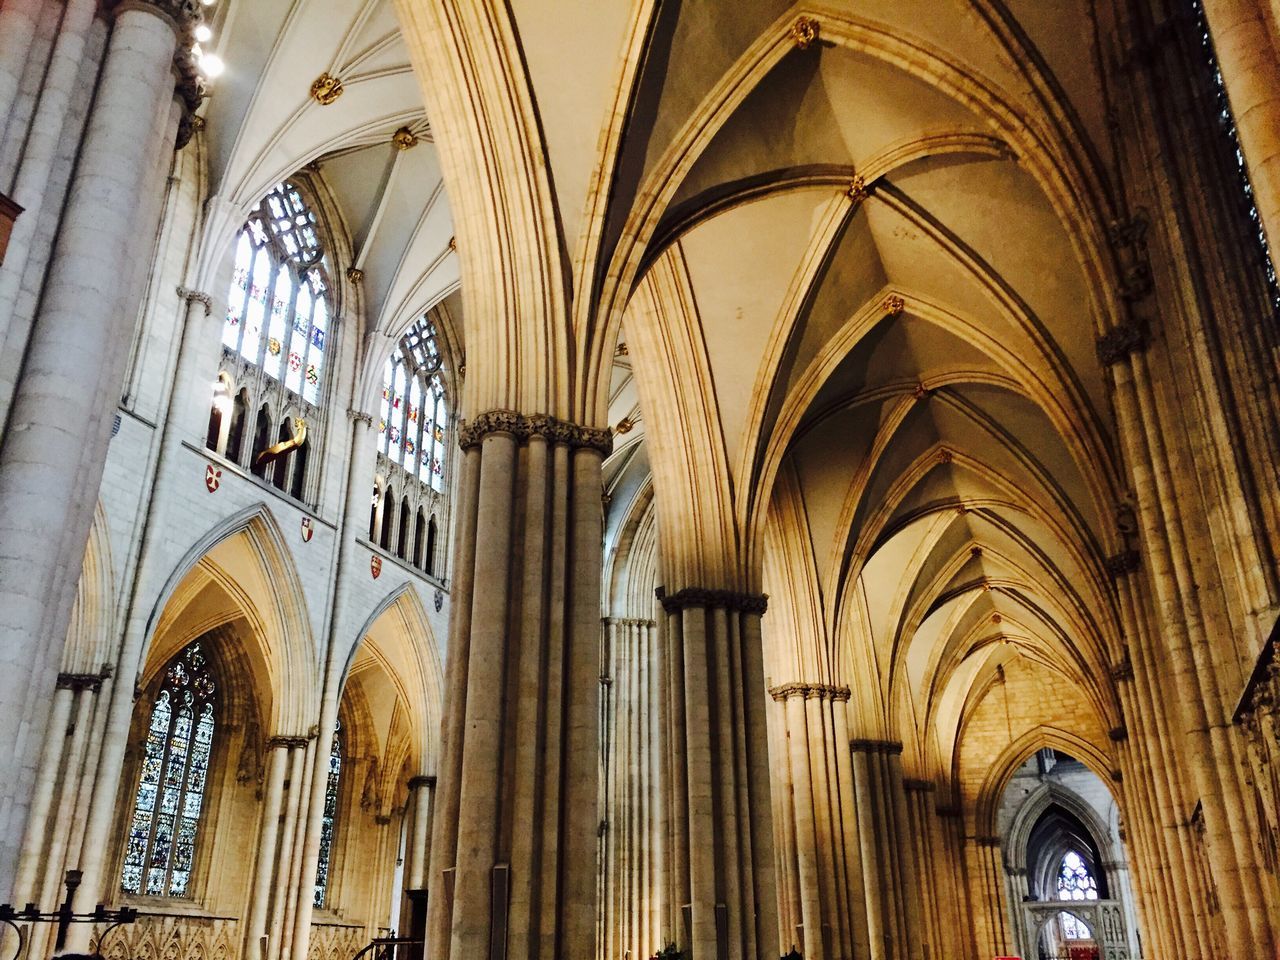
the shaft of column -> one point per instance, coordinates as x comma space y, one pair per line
268, 832
30, 186
806, 836
17, 30
281, 891
36, 836
92, 261
867, 828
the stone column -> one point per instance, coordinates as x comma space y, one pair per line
1247, 53
18, 20
278, 749
514, 844
418, 858
825, 858
630, 889
72, 374
718, 755
31, 186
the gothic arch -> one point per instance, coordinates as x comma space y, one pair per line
248, 560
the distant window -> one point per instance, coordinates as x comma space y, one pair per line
175, 769
415, 417
1075, 882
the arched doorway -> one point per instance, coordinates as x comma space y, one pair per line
1065, 864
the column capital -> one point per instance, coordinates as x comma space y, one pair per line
524, 428
79, 681
918, 786
708, 597
629, 621
876, 746
359, 416
187, 295
278, 742
810, 691
1123, 563
422, 780
1120, 341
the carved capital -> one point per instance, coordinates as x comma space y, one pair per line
1119, 342
876, 746
919, 786
422, 780
1123, 671
285, 743
1123, 563
810, 691
1118, 734
524, 428
187, 295
79, 681
359, 416
704, 597
987, 841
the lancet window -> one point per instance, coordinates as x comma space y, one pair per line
329, 819
413, 442
277, 342
164, 826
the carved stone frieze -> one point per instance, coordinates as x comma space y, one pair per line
524, 428
704, 597
810, 691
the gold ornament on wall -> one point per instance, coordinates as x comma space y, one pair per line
804, 32
325, 89
355, 275
858, 189
893, 305
624, 425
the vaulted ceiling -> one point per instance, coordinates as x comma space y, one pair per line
859, 253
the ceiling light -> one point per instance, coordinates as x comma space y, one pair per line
211, 65
203, 33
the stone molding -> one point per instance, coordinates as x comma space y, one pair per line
187, 295
629, 622
876, 746
274, 743
810, 691
1120, 341
707, 597
525, 428
79, 681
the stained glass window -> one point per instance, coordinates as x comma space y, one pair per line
414, 418
328, 819
175, 767
278, 307
1075, 882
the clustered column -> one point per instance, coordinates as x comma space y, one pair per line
630, 830
75, 361
720, 896
822, 896
517, 815
888, 841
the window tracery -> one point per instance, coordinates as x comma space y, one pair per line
1075, 882
276, 340
164, 826
413, 432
